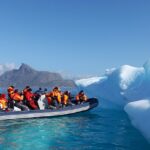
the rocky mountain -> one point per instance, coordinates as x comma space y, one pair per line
26, 75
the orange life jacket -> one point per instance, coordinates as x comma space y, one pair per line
54, 93
24, 92
17, 97
3, 101
82, 97
10, 91
65, 99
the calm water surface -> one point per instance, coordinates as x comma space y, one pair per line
100, 129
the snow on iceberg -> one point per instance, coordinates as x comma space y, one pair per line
139, 113
129, 76
121, 85
88, 81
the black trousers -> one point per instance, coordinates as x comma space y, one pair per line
21, 106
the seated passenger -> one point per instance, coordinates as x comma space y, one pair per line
26, 89
3, 102
81, 97
54, 97
24, 94
66, 99
18, 98
10, 91
30, 99
49, 98
39, 92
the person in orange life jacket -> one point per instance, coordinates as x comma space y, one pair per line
54, 97
3, 102
24, 94
66, 98
10, 91
30, 99
51, 102
81, 97
49, 98
25, 91
57, 95
18, 98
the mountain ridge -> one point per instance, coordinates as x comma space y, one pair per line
26, 75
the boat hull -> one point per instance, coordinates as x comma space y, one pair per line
50, 113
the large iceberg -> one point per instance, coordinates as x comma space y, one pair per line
127, 87
121, 85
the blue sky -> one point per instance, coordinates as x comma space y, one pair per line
80, 37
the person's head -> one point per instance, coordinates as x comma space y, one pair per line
55, 88
27, 87
66, 92
45, 89
40, 88
11, 87
16, 91
81, 92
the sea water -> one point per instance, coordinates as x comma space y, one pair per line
99, 129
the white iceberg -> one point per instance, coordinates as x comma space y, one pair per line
139, 113
127, 87
121, 85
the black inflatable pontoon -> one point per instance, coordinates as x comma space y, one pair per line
90, 104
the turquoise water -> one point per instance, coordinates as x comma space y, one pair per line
102, 129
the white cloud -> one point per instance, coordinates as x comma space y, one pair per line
6, 67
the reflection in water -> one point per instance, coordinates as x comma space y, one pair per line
99, 129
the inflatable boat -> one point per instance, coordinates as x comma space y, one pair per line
90, 104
